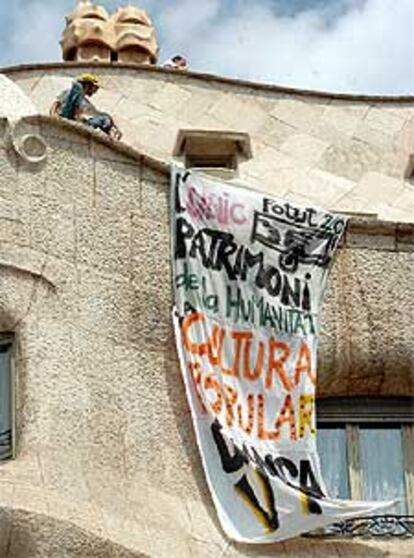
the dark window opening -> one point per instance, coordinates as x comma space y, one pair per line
211, 161
6, 398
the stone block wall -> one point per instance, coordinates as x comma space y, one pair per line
340, 152
367, 338
106, 450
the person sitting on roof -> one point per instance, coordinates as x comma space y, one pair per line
177, 62
74, 105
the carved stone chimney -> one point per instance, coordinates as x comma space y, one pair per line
86, 36
134, 35
92, 34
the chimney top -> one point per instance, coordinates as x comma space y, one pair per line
92, 34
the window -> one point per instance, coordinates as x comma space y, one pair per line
6, 398
366, 447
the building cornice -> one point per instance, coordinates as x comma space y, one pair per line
361, 231
99, 137
211, 78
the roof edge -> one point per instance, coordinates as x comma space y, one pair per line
91, 133
358, 224
200, 76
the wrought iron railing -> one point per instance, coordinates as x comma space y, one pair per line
5, 444
372, 526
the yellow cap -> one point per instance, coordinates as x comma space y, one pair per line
89, 78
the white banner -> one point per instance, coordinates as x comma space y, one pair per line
249, 274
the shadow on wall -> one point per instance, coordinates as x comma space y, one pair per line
304, 547
31, 535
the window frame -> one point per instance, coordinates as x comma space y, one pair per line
382, 411
8, 339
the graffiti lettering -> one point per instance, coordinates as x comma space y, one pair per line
217, 208
266, 514
253, 413
218, 251
302, 479
307, 217
273, 364
257, 311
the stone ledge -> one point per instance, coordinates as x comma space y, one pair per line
379, 235
199, 76
99, 137
363, 232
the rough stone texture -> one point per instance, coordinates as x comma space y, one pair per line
30, 535
340, 152
367, 336
107, 461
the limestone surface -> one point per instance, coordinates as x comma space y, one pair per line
107, 462
345, 153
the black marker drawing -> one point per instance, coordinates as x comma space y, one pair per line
296, 244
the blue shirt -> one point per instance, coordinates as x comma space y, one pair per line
72, 101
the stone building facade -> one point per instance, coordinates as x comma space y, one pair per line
105, 462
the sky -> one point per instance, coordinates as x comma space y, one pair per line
354, 46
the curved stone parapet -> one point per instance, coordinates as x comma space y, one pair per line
346, 153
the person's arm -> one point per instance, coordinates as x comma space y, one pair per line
54, 109
115, 132
78, 113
